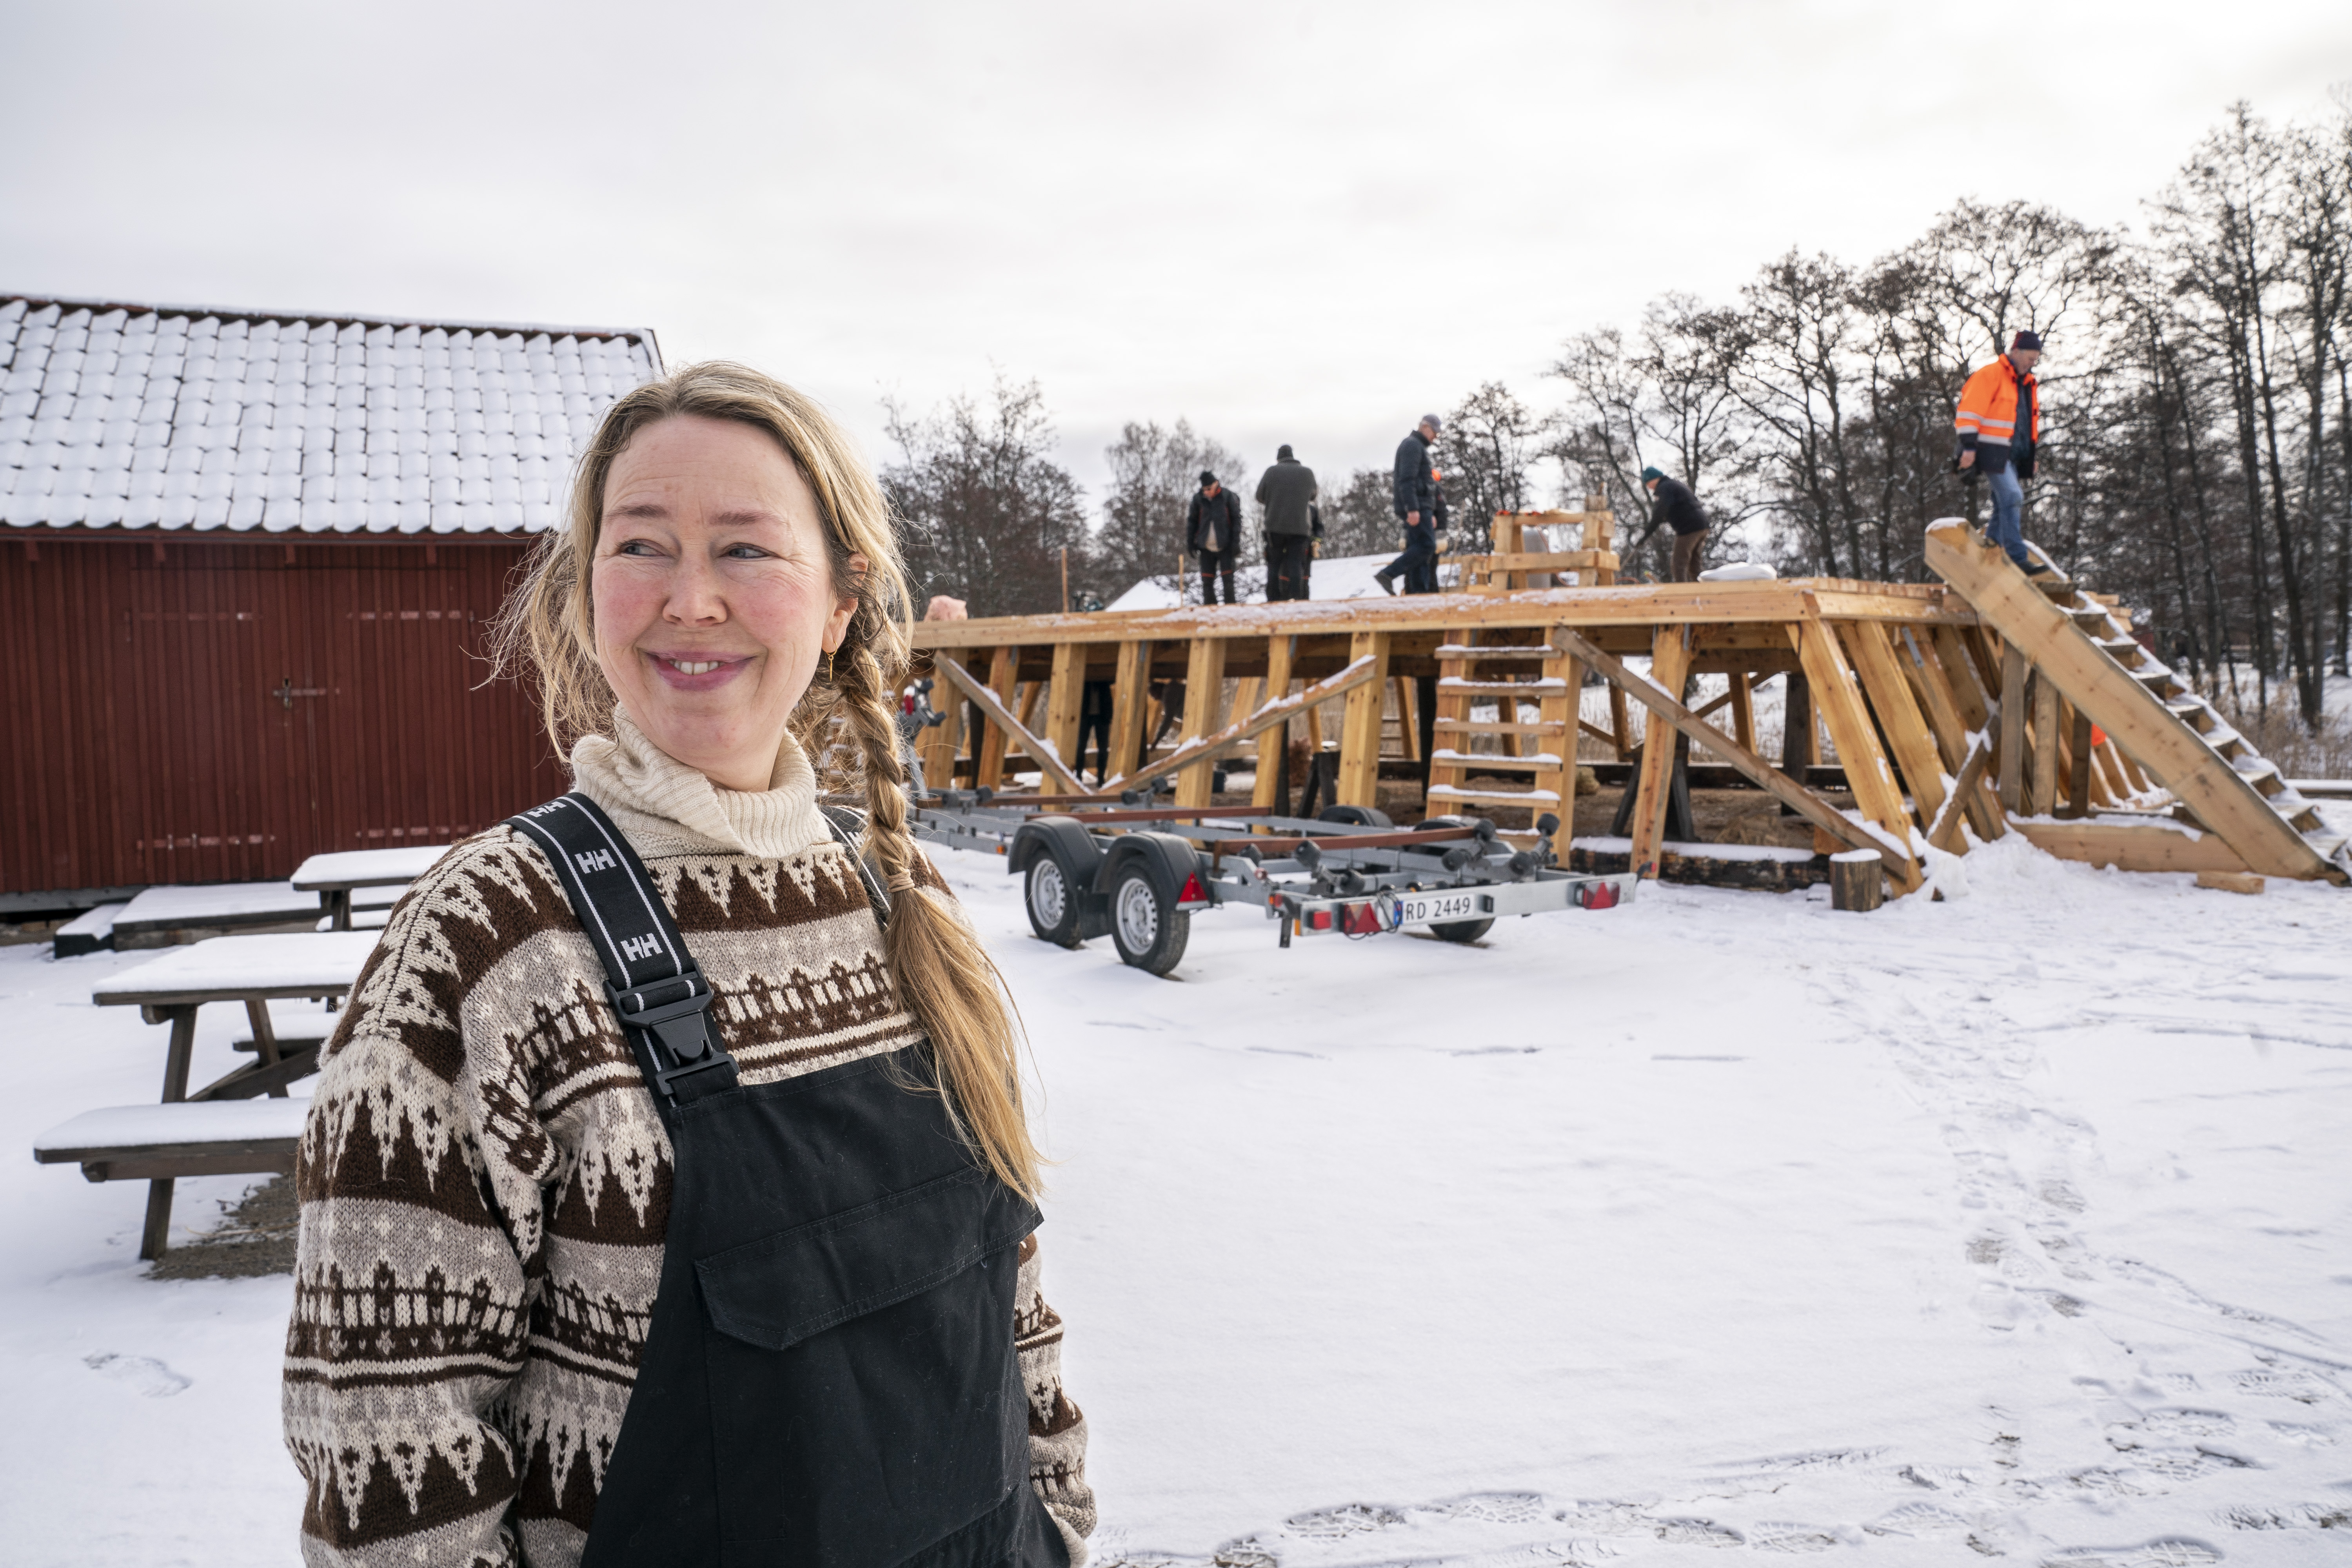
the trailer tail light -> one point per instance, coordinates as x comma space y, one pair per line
1363, 920
1193, 893
1597, 895
1318, 920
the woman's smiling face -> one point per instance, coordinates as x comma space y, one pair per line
713, 593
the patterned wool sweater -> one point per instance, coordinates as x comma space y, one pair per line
485, 1184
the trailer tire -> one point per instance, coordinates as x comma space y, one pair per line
1356, 816
1148, 929
1052, 902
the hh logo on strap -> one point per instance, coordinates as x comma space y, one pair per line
595, 861
633, 948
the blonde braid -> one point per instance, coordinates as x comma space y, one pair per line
945, 977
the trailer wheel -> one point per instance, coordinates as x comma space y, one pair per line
1052, 902
1462, 931
1146, 926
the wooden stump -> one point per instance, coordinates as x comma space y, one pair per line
1857, 880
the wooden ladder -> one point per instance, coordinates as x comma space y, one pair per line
2168, 735
1477, 667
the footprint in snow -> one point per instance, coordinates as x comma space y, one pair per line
141, 1375
2171, 1552
1336, 1523
1784, 1537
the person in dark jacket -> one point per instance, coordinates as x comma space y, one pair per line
1213, 530
1415, 495
1672, 502
1288, 491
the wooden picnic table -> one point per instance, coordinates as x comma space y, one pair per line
334, 875
248, 969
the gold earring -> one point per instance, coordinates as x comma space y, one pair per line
829, 666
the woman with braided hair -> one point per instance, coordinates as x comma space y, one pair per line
668, 1196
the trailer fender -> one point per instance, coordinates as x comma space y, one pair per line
1171, 860
1065, 838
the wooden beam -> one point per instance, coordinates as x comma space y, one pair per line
1743, 709
2012, 731
1898, 714
1274, 742
1603, 607
1004, 676
1669, 663
2045, 747
1940, 699
1276, 710
1944, 833
1130, 705
943, 741
1360, 731
1837, 697
1001, 724
2078, 762
1204, 696
2131, 848
1814, 808
1063, 700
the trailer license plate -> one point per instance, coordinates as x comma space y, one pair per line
1423, 909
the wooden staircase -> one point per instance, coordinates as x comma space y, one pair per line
2166, 730
1510, 669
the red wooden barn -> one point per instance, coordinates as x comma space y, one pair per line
246, 572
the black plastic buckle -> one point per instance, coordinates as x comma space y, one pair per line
681, 1023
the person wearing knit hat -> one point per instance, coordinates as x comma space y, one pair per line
1288, 491
1673, 501
1213, 530
1996, 429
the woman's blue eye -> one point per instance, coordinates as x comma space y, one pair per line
746, 552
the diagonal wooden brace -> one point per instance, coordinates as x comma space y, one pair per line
1804, 802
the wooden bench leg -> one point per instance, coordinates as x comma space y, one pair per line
156, 1234
265, 1039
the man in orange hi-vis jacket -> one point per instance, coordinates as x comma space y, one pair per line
1999, 421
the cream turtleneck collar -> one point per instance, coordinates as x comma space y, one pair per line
666, 806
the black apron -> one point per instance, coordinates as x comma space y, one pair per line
829, 1378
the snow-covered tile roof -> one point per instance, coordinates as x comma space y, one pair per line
169, 418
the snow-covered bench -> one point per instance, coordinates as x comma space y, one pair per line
172, 916
192, 1137
248, 969
338, 876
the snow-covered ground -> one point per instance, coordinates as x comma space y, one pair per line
1720, 1223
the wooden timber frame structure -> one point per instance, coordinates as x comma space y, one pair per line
1940, 714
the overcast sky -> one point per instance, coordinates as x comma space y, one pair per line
1285, 222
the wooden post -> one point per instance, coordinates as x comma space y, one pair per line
1797, 739
1130, 701
1066, 579
1899, 715
1275, 744
2079, 801
1065, 702
2045, 745
1003, 672
1408, 717
2012, 731
1359, 730
1564, 667
1205, 692
155, 1233
1670, 661
1857, 880
1743, 709
940, 744
1621, 724
1838, 696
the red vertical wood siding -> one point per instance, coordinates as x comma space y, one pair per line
219, 714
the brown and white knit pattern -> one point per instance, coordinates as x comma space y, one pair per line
485, 1186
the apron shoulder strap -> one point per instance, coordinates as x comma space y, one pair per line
652, 980
847, 825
